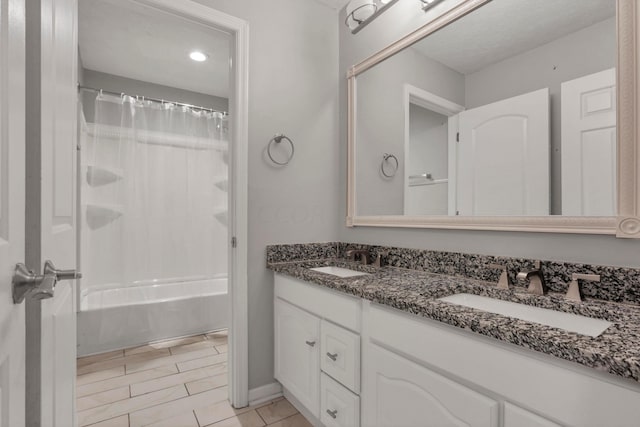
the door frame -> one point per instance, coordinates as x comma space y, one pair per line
238, 29
425, 99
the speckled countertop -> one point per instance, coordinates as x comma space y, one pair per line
616, 351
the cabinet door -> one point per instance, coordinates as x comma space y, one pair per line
515, 416
401, 393
297, 349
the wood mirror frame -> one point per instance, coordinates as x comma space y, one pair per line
626, 224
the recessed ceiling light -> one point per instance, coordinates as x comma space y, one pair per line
198, 56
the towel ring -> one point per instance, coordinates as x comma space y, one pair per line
385, 158
278, 139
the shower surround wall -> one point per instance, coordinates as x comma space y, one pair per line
154, 223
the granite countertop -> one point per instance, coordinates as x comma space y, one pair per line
616, 351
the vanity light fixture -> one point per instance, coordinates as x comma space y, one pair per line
427, 4
361, 12
198, 56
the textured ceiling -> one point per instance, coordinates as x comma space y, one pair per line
504, 28
129, 40
335, 4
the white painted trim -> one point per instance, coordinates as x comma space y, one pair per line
422, 98
430, 101
238, 194
626, 224
265, 393
315, 422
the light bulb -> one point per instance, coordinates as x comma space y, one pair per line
198, 56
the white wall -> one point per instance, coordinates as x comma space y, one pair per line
400, 19
292, 89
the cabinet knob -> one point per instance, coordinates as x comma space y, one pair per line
333, 414
310, 343
333, 356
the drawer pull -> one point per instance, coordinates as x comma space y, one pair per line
333, 414
333, 357
310, 343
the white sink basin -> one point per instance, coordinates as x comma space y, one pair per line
557, 319
339, 271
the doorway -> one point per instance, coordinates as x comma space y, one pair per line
179, 182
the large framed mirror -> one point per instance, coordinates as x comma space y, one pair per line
512, 115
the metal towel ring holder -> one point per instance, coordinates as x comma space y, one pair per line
278, 139
385, 159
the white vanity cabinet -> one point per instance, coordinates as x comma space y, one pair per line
458, 374
297, 345
317, 350
399, 392
350, 362
515, 416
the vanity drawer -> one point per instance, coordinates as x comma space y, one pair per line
340, 355
339, 407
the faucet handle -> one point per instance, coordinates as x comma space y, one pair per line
574, 293
587, 277
503, 281
379, 261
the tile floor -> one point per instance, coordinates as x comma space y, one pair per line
174, 383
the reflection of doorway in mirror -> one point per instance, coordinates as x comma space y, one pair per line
431, 125
589, 145
427, 166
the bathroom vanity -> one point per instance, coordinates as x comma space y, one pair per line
381, 349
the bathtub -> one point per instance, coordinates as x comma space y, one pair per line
113, 316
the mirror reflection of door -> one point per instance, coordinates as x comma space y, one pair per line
503, 157
589, 145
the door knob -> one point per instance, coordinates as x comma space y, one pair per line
49, 268
41, 286
25, 281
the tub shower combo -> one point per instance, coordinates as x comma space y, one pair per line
153, 214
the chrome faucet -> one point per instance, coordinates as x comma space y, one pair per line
536, 280
353, 252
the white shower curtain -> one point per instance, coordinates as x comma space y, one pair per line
157, 202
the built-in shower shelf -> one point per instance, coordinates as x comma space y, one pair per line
221, 214
97, 175
222, 182
101, 215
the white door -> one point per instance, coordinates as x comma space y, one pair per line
503, 157
12, 142
51, 208
399, 392
297, 350
589, 145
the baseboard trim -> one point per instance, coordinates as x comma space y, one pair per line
264, 393
301, 408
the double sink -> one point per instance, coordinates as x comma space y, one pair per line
567, 321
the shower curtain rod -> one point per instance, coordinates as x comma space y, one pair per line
92, 89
